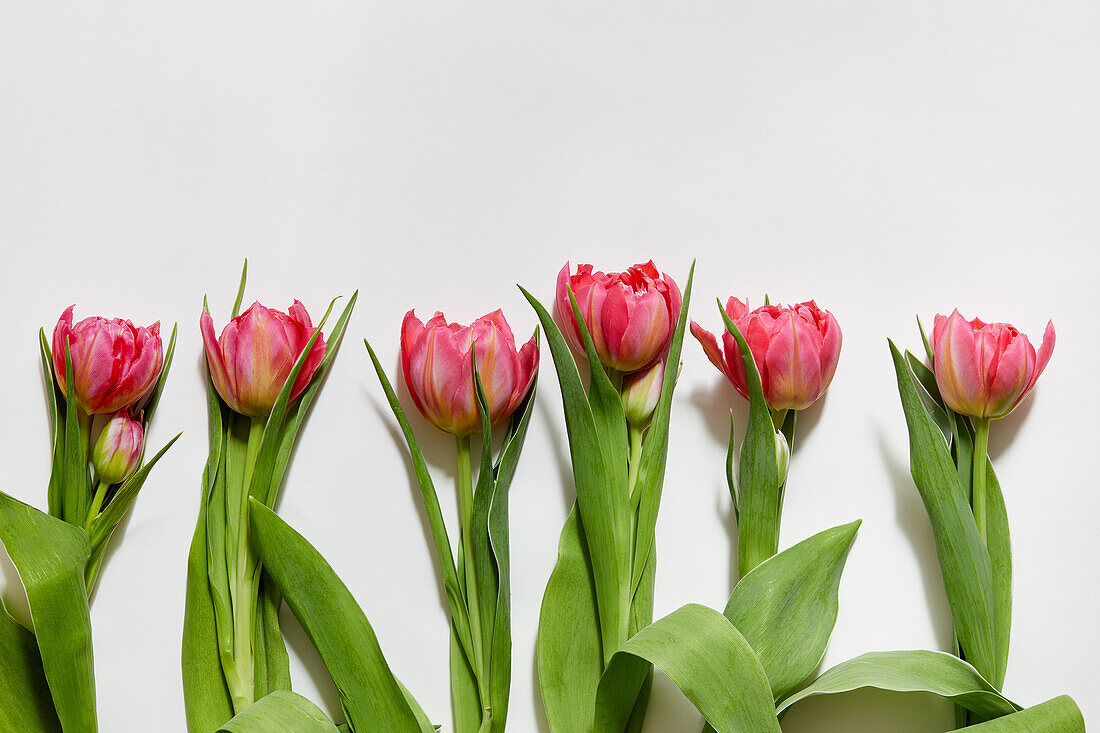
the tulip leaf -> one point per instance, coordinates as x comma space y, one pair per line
298, 411
281, 710
104, 525
498, 533
964, 562
786, 607
610, 422
54, 399
731, 481
709, 661
207, 701
1060, 715
448, 569
651, 474
25, 703
50, 556
568, 652
465, 700
240, 289
758, 498
930, 396
998, 543
370, 695
598, 504
76, 481
154, 397
262, 485
600, 493
910, 671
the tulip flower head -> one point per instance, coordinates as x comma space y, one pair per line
437, 364
985, 369
115, 363
118, 450
252, 359
796, 349
630, 315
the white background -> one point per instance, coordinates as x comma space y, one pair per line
885, 158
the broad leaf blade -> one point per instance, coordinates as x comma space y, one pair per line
282, 711
598, 504
786, 607
709, 661
910, 671
50, 556
370, 694
25, 703
569, 659
1060, 715
964, 561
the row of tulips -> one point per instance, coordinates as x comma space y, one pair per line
597, 644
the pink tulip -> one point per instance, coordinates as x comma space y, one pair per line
985, 369
115, 363
118, 450
252, 359
436, 361
631, 315
795, 348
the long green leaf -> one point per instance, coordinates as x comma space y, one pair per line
25, 703
104, 525
50, 556
54, 400
598, 503
438, 527
569, 659
282, 711
910, 671
964, 562
371, 696
758, 497
207, 701
709, 661
1060, 715
76, 482
498, 525
297, 413
651, 474
786, 607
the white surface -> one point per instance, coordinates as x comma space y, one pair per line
883, 158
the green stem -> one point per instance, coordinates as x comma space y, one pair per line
473, 605
635, 437
100, 491
244, 609
981, 453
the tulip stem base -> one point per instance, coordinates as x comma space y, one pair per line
981, 457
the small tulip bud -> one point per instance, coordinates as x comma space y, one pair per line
118, 450
641, 392
782, 456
